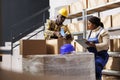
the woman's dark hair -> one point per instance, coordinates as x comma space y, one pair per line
96, 21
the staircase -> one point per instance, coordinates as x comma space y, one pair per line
10, 58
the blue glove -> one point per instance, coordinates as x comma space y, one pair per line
62, 32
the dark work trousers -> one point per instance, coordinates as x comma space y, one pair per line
101, 59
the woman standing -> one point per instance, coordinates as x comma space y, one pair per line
98, 42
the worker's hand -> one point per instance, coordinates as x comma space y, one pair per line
90, 44
68, 36
56, 33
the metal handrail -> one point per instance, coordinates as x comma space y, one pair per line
30, 37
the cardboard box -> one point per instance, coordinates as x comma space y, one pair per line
78, 6
71, 27
113, 64
77, 46
111, 46
116, 20
53, 46
32, 47
76, 27
110, 77
69, 67
94, 3
79, 26
106, 21
115, 45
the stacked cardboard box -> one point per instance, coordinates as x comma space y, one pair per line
53, 46
79, 26
76, 27
110, 78
67, 67
113, 64
37, 47
95, 3
115, 19
106, 21
78, 6
32, 47
115, 45
71, 27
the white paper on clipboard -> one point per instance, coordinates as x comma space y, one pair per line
82, 42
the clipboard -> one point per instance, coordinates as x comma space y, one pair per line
82, 42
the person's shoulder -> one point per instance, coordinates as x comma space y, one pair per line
104, 32
50, 21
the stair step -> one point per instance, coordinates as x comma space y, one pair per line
5, 50
0, 58
111, 73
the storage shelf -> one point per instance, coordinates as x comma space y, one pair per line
114, 33
107, 6
111, 72
5, 50
114, 54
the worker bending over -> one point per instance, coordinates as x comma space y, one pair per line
56, 29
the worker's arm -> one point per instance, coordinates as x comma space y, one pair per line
50, 30
104, 45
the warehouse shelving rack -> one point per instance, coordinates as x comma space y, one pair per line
114, 32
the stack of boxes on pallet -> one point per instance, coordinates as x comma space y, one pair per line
67, 67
